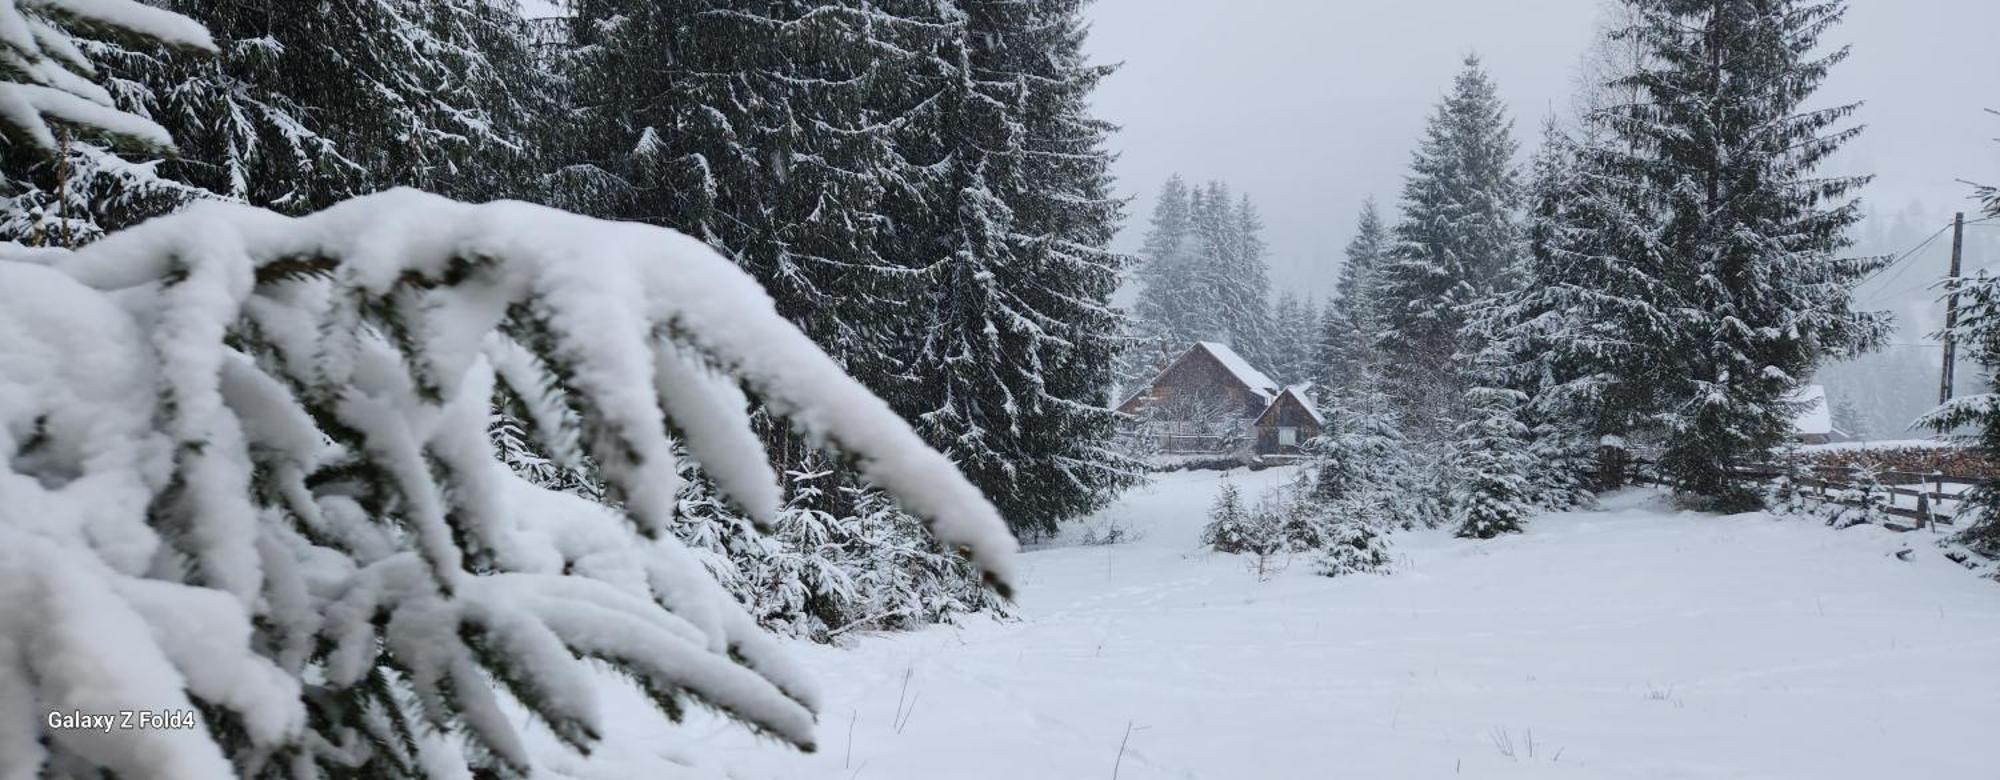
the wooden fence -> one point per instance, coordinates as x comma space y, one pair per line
1927, 500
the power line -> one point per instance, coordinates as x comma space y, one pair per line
1905, 256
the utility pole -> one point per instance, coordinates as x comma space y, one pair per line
1951, 307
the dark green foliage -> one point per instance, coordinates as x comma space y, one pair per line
921, 189
1684, 275
1978, 333
765, 129
1490, 467
1013, 364
297, 111
1457, 243
1747, 236
1345, 349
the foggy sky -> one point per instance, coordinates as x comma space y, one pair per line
1310, 106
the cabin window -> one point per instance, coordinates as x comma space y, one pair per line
1288, 437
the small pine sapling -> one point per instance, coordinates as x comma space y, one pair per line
1864, 501
1491, 461
1354, 546
1228, 521
1267, 534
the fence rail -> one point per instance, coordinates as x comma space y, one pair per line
1934, 497
1193, 444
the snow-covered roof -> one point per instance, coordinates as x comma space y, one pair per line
1303, 392
1299, 395
1256, 380
1817, 418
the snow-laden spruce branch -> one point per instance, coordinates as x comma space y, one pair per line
45, 76
250, 473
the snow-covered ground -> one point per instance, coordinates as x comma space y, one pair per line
1631, 642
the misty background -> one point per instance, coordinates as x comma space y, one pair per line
1310, 106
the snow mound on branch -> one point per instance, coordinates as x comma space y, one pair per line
49, 73
248, 450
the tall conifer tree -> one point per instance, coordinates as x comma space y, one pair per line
1347, 329
1727, 150
1457, 243
1158, 329
1014, 365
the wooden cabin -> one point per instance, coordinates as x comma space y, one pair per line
1207, 370
1211, 401
1288, 423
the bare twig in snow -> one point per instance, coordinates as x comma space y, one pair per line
1121, 750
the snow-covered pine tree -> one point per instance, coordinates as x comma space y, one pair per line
1305, 331
302, 110
838, 557
1215, 305
1240, 283
1013, 364
1295, 329
66, 119
251, 478
1356, 485
783, 135
1581, 335
1258, 530
1533, 340
1345, 347
1163, 323
1491, 464
1750, 233
1283, 312
1360, 449
47, 81
767, 129
905, 578
296, 111
86, 189
1228, 520
1360, 463
1352, 547
1204, 277
1457, 242
497, 91
1978, 329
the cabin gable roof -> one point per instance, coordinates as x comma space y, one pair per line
1234, 368
1294, 397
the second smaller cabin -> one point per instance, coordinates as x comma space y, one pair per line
1289, 422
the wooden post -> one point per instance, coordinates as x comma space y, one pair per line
1940, 495
62, 187
1951, 307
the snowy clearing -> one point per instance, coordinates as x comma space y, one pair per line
1632, 642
